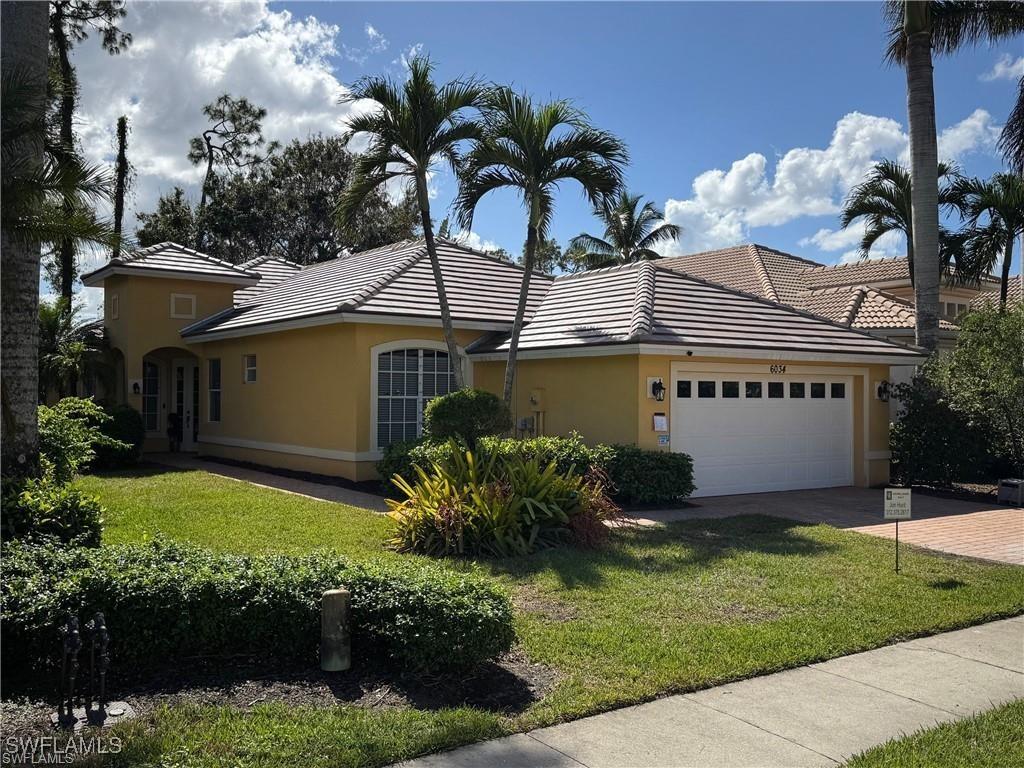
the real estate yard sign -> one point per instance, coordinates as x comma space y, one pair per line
897, 507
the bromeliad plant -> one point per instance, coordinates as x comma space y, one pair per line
495, 505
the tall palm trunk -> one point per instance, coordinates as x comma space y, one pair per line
529, 259
423, 198
1007, 260
23, 42
68, 87
924, 162
121, 172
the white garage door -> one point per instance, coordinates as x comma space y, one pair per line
748, 433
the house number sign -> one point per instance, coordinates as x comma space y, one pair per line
777, 369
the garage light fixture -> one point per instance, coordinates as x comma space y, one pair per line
656, 389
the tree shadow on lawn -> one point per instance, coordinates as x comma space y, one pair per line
506, 686
665, 549
142, 469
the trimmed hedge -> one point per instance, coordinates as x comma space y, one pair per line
637, 476
467, 415
165, 602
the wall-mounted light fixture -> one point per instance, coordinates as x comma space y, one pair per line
656, 388
882, 390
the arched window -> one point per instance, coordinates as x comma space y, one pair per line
406, 379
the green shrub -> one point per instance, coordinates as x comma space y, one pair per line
649, 477
466, 415
494, 504
165, 602
44, 508
69, 434
126, 434
634, 475
934, 443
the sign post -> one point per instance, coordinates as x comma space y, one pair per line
897, 507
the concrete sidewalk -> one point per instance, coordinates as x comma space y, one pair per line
818, 715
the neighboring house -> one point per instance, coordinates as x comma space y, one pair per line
320, 368
874, 295
1014, 294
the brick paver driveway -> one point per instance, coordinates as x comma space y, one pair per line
973, 529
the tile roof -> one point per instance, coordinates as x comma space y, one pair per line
1014, 294
271, 270
840, 292
391, 280
752, 268
857, 273
173, 258
619, 305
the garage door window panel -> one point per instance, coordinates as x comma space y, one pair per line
753, 389
730, 389
817, 390
797, 389
776, 390
683, 388
838, 390
706, 388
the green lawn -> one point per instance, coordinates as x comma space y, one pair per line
993, 739
227, 514
659, 610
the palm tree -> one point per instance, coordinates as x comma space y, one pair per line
67, 349
39, 178
23, 53
915, 28
884, 201
531, 149
416, 125
629, 234
1000, 200
1011, 140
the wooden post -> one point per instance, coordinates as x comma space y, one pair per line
335, 632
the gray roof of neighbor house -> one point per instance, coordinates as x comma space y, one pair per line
272, 270
648, 304
393, 280
173, 260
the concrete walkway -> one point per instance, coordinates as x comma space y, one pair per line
974, 529
818, 715
314, 490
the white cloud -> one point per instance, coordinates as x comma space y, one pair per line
184, 55
1005, 68
408, 55
473, 240
806, 181
375, 43
975, 133
831, 240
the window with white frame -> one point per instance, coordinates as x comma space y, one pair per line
115, 310
150, 396
249, 366
408, 379
213, 414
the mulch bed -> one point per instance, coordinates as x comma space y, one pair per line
983, 492
508, 685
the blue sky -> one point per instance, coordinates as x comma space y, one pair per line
691, 87
744, 121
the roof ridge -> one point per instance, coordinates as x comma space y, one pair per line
462, 246
603, 270
854, 305
762, 273
859, 262
143, 252
642, 319
268, 257
374, 287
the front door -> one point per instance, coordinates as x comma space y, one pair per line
186, 401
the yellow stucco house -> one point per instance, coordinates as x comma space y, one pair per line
320, 368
